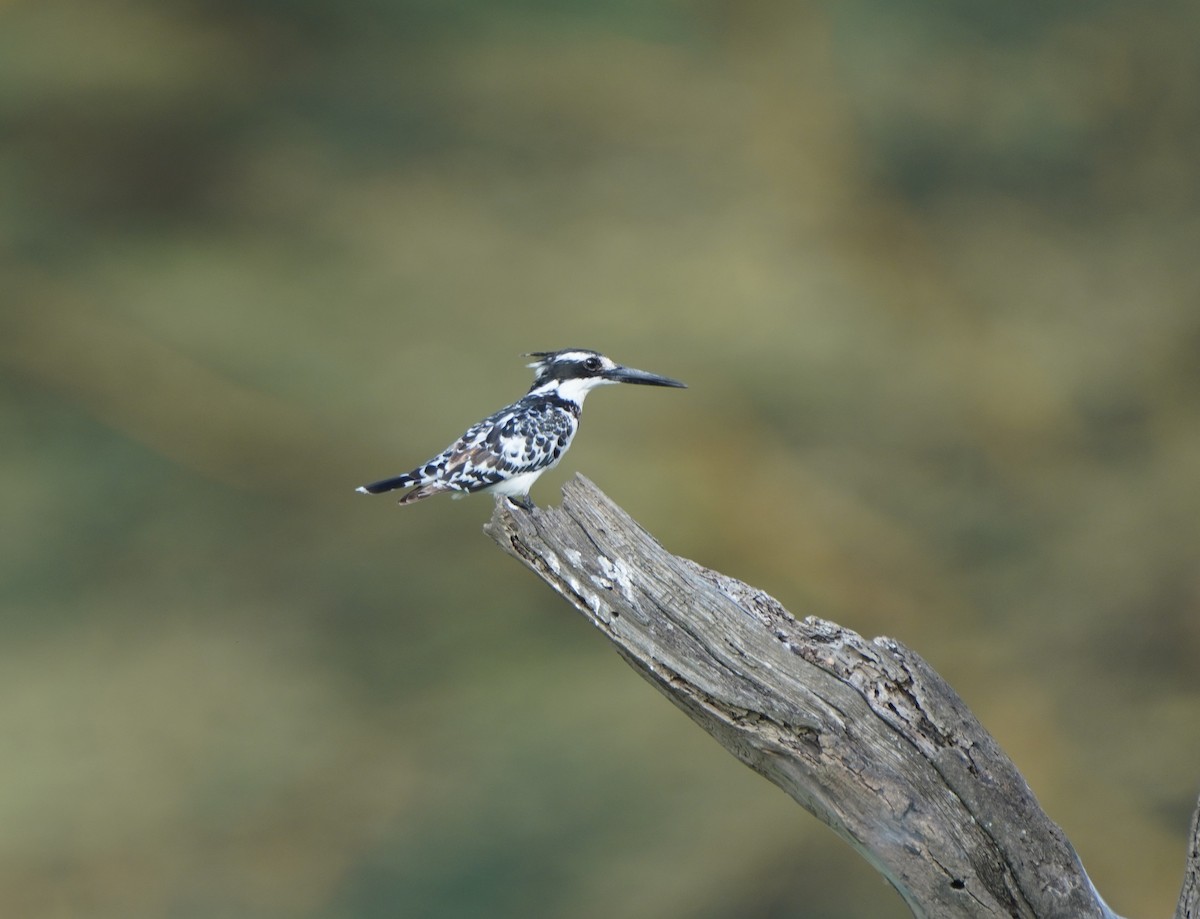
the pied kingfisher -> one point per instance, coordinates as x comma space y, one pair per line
506, 452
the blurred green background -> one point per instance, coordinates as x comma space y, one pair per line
931, 271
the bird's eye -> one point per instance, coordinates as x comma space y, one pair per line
592, 363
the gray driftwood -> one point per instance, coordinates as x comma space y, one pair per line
862, 733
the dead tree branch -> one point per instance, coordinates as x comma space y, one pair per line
1189, 897
862, 733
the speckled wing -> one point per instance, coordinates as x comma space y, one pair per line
535, 436
528, 436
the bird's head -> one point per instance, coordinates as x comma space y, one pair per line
573, 372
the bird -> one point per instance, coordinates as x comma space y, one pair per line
506, 452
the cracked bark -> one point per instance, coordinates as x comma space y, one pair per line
862, 733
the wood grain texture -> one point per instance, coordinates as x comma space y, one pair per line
862, 733
1189, 896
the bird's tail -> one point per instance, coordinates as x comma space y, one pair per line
378, 488
428, 491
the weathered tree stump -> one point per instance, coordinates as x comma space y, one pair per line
862, 733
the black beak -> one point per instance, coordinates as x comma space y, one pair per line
629, 375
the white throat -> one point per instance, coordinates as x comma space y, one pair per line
572, 390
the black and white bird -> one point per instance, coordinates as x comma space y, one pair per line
505, 452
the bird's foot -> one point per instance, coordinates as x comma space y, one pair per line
522, 501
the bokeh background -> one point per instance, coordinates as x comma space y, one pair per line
930, 269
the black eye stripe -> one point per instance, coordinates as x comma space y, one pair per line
572, 364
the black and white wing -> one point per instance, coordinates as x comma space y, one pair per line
527, 437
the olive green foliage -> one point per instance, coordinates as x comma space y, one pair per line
929, 269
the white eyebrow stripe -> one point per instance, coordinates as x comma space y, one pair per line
574, 356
